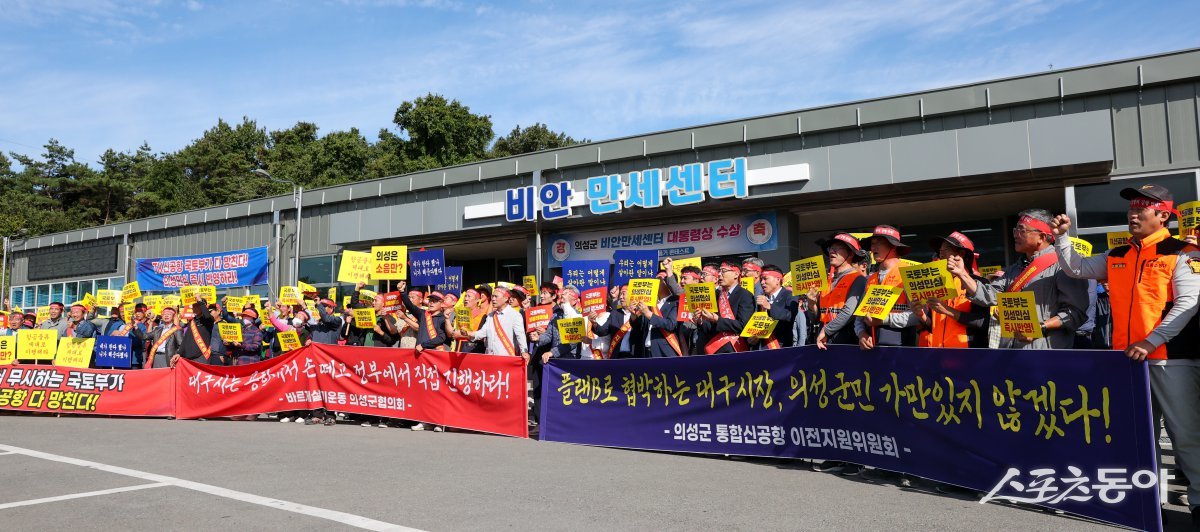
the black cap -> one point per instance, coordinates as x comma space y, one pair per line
1154, 192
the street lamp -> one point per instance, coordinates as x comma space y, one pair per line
4, 265
298, 196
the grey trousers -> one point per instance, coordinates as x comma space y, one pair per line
1175, 394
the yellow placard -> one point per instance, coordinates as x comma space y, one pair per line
931, 280
808, 274
906, 262
88, 301
37, 344
345, 301
679, 264
701, 296
1082, 247
642, 291
43, 314
290, 295
131, 291
128, 313
1117, 238
173, 301
256, 301
355, 267
230, 332
75, 352
1189, 218
8, 350
289, 340
748, 284
531, 284
154, 302
366, 295
333, 293
306, 288
209, 293
1018, 313
364, 318
108, 298
462, 318
760, 325
188, 295
234, 303
570, 330
878, 301
988, 270
388, 262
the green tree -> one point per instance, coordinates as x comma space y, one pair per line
442, 132
537, 137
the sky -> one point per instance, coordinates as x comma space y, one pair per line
100, 74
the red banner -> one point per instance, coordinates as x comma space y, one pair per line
477, 392
59, 389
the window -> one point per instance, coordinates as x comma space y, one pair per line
56, 294
30, 296
71, 293
317, 270
43, 295
18, 297
116, 283
86, 287
1102, 205
101, 284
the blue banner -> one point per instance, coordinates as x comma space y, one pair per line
114, 352
426, 268
453, 283
1065, 429
634, 264
243, 267
585, 274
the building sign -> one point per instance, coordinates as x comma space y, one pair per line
724, 236
243, 267
606, 194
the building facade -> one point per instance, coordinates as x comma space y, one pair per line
962, 158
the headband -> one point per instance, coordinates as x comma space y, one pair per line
692, 276
1144, 203
750, 266
730, 266
502, 290
1034, 223
471, 291
711, 269
772, 273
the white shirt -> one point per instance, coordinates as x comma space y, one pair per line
512, 324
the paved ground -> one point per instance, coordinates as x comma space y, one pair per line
220, 475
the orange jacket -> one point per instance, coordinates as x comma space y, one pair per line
1141, 294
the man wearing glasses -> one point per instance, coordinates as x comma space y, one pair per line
720, 332
1061, 300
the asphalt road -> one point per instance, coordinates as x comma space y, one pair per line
222, 475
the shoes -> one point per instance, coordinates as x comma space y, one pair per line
418, 426
384, 424
852, 471
827, 466
905, 482
439, 428
312, 421
532, 423
365, 424
285, 419
330, 421
299, 420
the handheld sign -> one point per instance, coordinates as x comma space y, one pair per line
462, 318
1082, 247
1018, 313
701, 296
37, 344
682, 312
172, 300
642, 291
453, 283
679, 264
88, 301
345, 301
1117, 238
188, 295
289, 340
391, 303
988, 270
43, 314
355, 267
306, 288
74, 352
256, 301
333, 293
530, 283
209, 293
570, 330
748, 284
760, 325
234, 303
364, 318
130, 291
114, 352
931, 280
808, 274
8, 350
537, 317
427, 267
878, 301
586, 274
634, 264
595, 299
1189, 218
389, 262
230, 332
290, 295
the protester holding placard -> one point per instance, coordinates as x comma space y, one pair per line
431, 333
955, 322
886, 248
777, 301
658, 324
618, 327
835, 310
719, 332
752, 267
136, 331
197, 335
327, 327
164, 339
1061, 300
685, 330
78, 326
56, 320
249, 350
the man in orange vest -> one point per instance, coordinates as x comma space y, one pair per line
835, 310
956, 322
1153, 284
887, 248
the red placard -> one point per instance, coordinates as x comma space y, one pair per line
538, 316
595, 299
681, 310
392, 303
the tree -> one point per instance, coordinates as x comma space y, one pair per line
537, 137
442, 133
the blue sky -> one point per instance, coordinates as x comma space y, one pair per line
100, 74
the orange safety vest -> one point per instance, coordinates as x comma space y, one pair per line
1140, 291
945, 331
833, 302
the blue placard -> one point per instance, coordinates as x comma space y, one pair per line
1067, 429
453, 282
114, 352
585, 274
243, 267
634, 264
426, 268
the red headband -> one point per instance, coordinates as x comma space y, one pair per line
750, 266
692, 276
1034, 223
772, 273
730, 266
471, 291
502, 290
711, 269
1147, 203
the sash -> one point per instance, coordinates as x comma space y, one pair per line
204, 348
615, 341
430, 330
719, 341
669, 336
1035, 267
163, 339
123, 331
504, 339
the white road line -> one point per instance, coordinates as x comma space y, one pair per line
331, 515
31, 502
7, 452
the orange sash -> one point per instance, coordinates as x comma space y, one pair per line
1035, 267
429, 329
163, 339
669, 336
615, 341
504, 339
204, 348
719, 341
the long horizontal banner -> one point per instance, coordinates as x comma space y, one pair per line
243, 267
66, 390
1005, 422
471, 391
724, 236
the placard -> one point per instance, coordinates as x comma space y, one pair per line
43, 314
878, 301
234, 304
570, 330
760, 325
679, 264
290, 295
188, 295
75, 352
114, 352
808, 274
37, 344
462, 319
1082, 247
630, 264
364, 318
701, 296
8, 350
988, 270
538, 317
642, 291
355, 267
1117, 238
1018, 313
389, 262
130, 291
585, 274
288, 340
531, 285
427, 268
747, 284
155, 303
453, 282
230, 332
931, 280
1189, 218
595, 299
